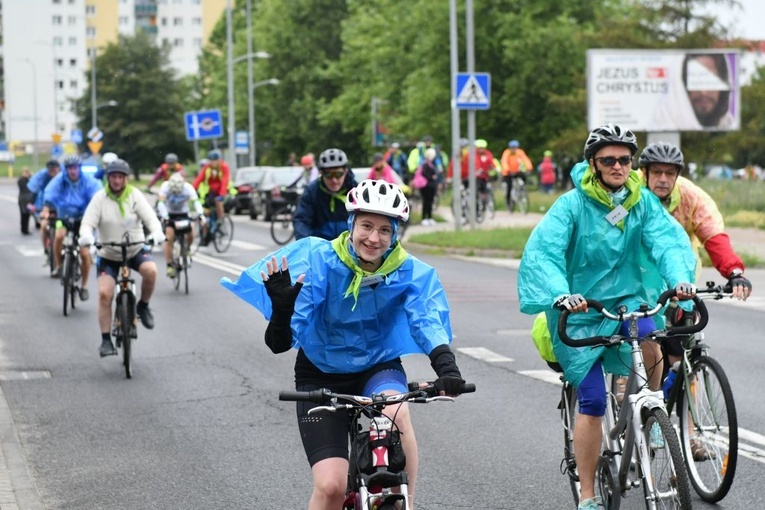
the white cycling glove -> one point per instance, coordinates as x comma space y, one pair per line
86, 240
569, 302
155, 238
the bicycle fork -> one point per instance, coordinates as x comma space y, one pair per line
377, 489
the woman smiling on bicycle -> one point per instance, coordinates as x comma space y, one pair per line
360, 302
589, 244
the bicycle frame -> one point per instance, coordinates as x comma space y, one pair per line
640, 406
383, 487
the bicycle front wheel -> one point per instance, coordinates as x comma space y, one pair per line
281, 226
523, 202
224, 234
670, 480
709, 429
184, 261
67, 280
126, 324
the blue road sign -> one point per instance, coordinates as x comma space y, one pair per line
203, 125
76, 136
56, 151
473, 91
242, 142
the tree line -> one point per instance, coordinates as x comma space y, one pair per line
332, 57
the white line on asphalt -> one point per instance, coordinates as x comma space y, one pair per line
483, 354
228, 267
29, 251
244, 245
12, 200
547, 376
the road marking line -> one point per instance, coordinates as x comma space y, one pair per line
30, 251
222, 265
547, 376
483, 354
244, 245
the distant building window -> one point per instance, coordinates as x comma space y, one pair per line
165, 42
124, 20
178, 22
72, 84
72, 62
72, 20
58, 41
178, 42
56, 2
197, 42
91, 32
72, 41
60, 62
90, 10
196, 2
57, 20
196, 21
163, 21
60, 84
91, 52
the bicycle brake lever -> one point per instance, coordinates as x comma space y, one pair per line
326, 408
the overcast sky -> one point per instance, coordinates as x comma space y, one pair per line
749, 24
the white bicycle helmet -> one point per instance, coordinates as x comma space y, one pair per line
108, 158
175, 184
378, 197
609, 134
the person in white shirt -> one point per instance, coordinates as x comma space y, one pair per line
118, 209
175, 195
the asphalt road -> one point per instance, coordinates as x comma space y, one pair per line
199, 425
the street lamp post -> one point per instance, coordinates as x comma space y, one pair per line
270, 81
250, 105
93, 106
35, 157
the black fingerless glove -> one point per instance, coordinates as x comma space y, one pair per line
449, 379
283, 295
737, 278
282, 292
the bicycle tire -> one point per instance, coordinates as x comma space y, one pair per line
523, 202
715, 410
607, 484
281, 226
184, 262
491, 206
49, 242
76, 275
66, 279
568, 418
126, 322
667, 466
224, 234
176, 262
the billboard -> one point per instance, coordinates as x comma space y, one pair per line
664, 90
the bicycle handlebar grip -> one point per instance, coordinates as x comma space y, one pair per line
579, 342
694, 328
468, 388
316, 396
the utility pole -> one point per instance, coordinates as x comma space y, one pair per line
230, 66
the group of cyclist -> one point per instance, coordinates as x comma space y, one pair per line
109, 207
367, 302
620, 237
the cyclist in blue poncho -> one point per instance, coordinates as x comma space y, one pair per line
589, 245
360, 302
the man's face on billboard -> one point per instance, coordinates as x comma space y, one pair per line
705, 88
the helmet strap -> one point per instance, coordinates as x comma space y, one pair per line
603, 183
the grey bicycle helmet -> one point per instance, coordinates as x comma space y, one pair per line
332, 158
119, 166
214, 155
171, 158
609, 134
72, 160
661, 152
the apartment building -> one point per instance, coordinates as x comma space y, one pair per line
48, 45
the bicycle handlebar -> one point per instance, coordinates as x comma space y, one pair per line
622, 316
416, 394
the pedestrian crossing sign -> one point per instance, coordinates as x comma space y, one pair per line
473, 91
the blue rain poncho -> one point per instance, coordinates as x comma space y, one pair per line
406, 312
70, 199
576, 250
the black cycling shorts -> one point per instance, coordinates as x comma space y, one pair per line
325, 434
112, 267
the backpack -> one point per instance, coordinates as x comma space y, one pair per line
542, 338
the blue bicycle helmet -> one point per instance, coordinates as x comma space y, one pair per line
214, 155
513, 144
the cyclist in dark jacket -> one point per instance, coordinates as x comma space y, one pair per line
321, 210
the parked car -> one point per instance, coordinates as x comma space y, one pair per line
271, 191
244, 181
361, 173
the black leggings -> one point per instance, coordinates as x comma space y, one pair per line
428, 196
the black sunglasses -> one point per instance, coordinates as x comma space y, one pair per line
611, 161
